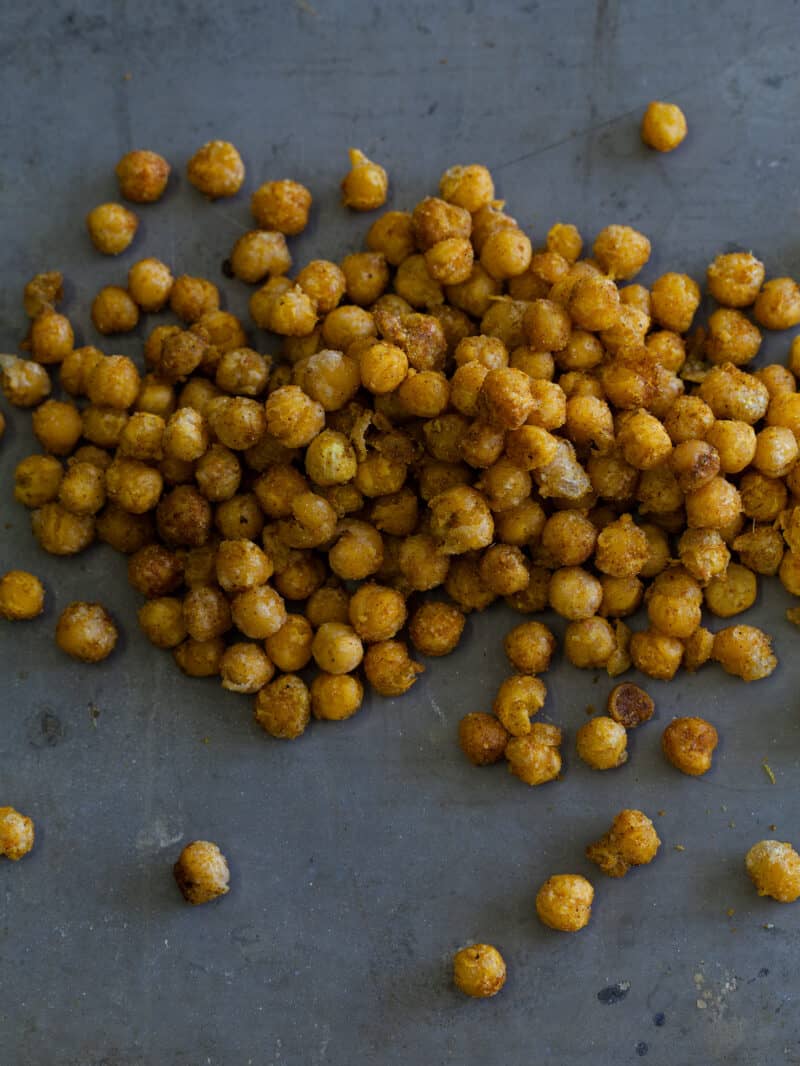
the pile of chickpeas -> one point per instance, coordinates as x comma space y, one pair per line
451, 411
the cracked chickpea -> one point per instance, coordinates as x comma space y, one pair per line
745, 652
631, 841
479, 971
25, 383
111, 228
21, 596
535, 758
216, 170
201, 872
518, 699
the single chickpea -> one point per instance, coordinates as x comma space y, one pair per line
506, 253
689, 418
281, 205
734, 279
183, 518
774, 869
529, 647
206, 613
258, 612
594, 304
86, 631
376, 612
564, 902
504, 570
487, 219
697, 649
693, 463
357, 553
16, 834
777, 305
785, 411
199, 658
631, 841
779, 380
302, 576
51, 337
43, 292
630, 705
479, 971
689, 743
241, 565
216, 170
731, 592
622, 596
482, 446
547, 326
482, 738
393, 235
663, 126
83, 490
190, 298
336, 697
132, 485
435, 628
777, 451
258, 254
644, 441
21, 596
518, 699
161, 620
745, 652
57, 426
113, 382
437, 220
450, 261
463, 584
150, 284
389, 669
621, 251
155, 571
245, 667
535, 758
574, 593
656, 654
733, 393
293, 418
421, 564
674, 300
565, 239
114, 311
468, 186
290, 648
142, 176
474, 296
589, 643
383, 367
201, 872
460, 520
735, 444
366, 275
24, 383
365, 187
336, 648
760, 549
714, 505
732, 338
111, 227
602, 743
703, 553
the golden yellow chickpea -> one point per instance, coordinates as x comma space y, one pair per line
535, 757
393, 235
57, 426
565, 239
504, 569
201, 872
663, 126
336, 697
602, 743
564, 902
358, 551
656, 654
450, 261
52, 338
574, 593
21, 596
735, 278
518, 699
779, 380
293, 418
590, 643
199, 658
468, 186
731, 592
83, 490
111, 227
383, 367
366, 185
777, 305
529, 647
16, 834
714, 505
776, 452
479, 971
216, 170
245, 667
745, 652
621, 251
389, 669
290, 648
183, 518
336, 648
43, 292
460, 520
114, 311
142, 176
150, 283
547, 326
674, 298
689, 743
435, 628
703, 553
732, 338
376, 612
281, 205
190, 298
482, 738
24, 383
631, 841
760, 549
161, 620
86, 631
774, 869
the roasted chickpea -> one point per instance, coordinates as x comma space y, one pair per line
760, 549
393, 235
574, 593
704, 554
142, 437
293, 418
281, 205
479, 971
206, 613
777, 305
155, 571
21, 596
24, 382
132, 485
731, 592
241, 565
469, 186
693, 463
389, 669
674, 298
504, 570
83, 489
142, 176
86, 631
216, 170
435, 628
43, 292
631, 841
421, 564
335, 697
149, 285
357, 553
460, 520
762, 498
258, 612
589, 643
57, 426
37, 480
245, 667
518, 699
732, 338
76, 368
113, 382
776, 451
383, 367
688, 418
663, 126
774, 869
529, 647
734, 279
183, 518
290, 648
547, 326
689, 743
16, 834
535, 758
190, 298
162, 622
714, 505
779, 380
199, 658
201, 871
621, 251
51, 338
482, 738
258, 254
656, 654
376, 612
602, 743
111, 227
122, 531
450, 261
365, 187
745, 652
564, 902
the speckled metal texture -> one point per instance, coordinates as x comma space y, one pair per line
365, 853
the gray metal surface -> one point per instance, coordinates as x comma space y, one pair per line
365, 853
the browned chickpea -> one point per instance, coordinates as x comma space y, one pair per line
328, 604
190, 298
435, 628
674, 300
293, 418
732, 338
181, 354
86, 631
245, 667
460, 520
547, 326
590, 422
199, 658
21, 596
631, 841
142, 176
611, 477
76, 368
142, 437
155, 571
518, 699
689, 743
183, 518
132, 485
357, 553
482, 738
236, 421
124, 532
450, 261
464, 585
154, 344
656, 654
777, 305
240, 516
659, 493
242, 371
161, 620
283, 707
113, 382
335, 697
745, 652
602, 743
16, 834
760, 549
57, 426
689, 418
479, 971
693, 463
281, 205
258, 254
376, 612
621, 251
774, 869
24, 382
622, 596
529, 647
504, 570
262, 303
216, 170
111, 227
290, 648
734, 279
424, 394
82, 490
43, 292
421, 564
734, 443
594, 304
733, 393
240, 565
312, 523
622, 548
176, 471
276, 488
535, 758
389, 669
663, 126
437, 220
482, 444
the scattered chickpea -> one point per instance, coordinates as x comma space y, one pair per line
745, 652
281, 205
774, 869
43, 292
24, 382
482, 738
21, 596
535, 758
602, 743
52, 338
16, 834
149, 284
689, 743
111, 227
479, 970
86, 631
564, 902
631, 841
142, 176
777, 305
201, 872
663, 126
216, 170
366, 185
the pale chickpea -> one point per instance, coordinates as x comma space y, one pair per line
111, 228
24, 383
150, 283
